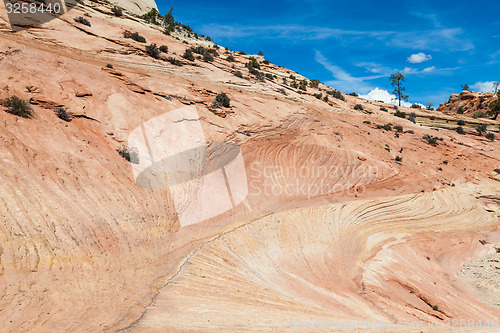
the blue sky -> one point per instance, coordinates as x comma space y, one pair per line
355, 46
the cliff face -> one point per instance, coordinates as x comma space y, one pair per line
472, 104
342, 219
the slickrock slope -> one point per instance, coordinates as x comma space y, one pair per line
83, 248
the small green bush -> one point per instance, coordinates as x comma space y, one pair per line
230, 58
366, 122
153, 51
460, 110
135, 36
314, 83
383, 109
117, 11
359, 107
174, 61
18, 107
432, 140
398, 128
400, 114
460, 122
481, 128
222, 100
490, 136
497, 170
266, 62
399, 158
109, 66
460, 130
336, 94
353, 94
412, 117
238, 74
163, 48
416, 106
208, 57
253, 63
63, 114
83, 21
318, 95
188, 55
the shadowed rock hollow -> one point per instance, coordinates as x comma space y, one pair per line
333, 225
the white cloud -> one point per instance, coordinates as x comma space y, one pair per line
484, 87
429, 69
419, 57
408, 70
378, 94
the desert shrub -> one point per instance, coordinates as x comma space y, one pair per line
383, 109
478, 114
412, 117
83, 21
497, 170
255, 72
208, 57
109, 66
460, 122
398, 128
358, 107
269, 76
366, 122
400, 114
253, 63
326, 99
460, 130
174, 61
410, 131
399, 158
460, 110
222, 100
281, 91
129, 154
432, 140
314, 83
266, 62
163, 48
238, 74
490, 136
303, 85
153, 51
353, 94
230, 58
336, 94
153, 17
260, 53
481, 128
387, 127
416, 106
135, 36
63, 114
318, 95
292, 77
242, 53
18, 107
294, 84
188, 55
117, 11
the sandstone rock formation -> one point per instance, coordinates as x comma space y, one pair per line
468, 103
334, 226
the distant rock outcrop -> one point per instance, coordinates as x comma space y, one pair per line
138, 7
472, 104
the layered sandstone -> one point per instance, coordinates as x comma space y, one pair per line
83, 248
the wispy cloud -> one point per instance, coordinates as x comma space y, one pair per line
451, 39
343, 80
